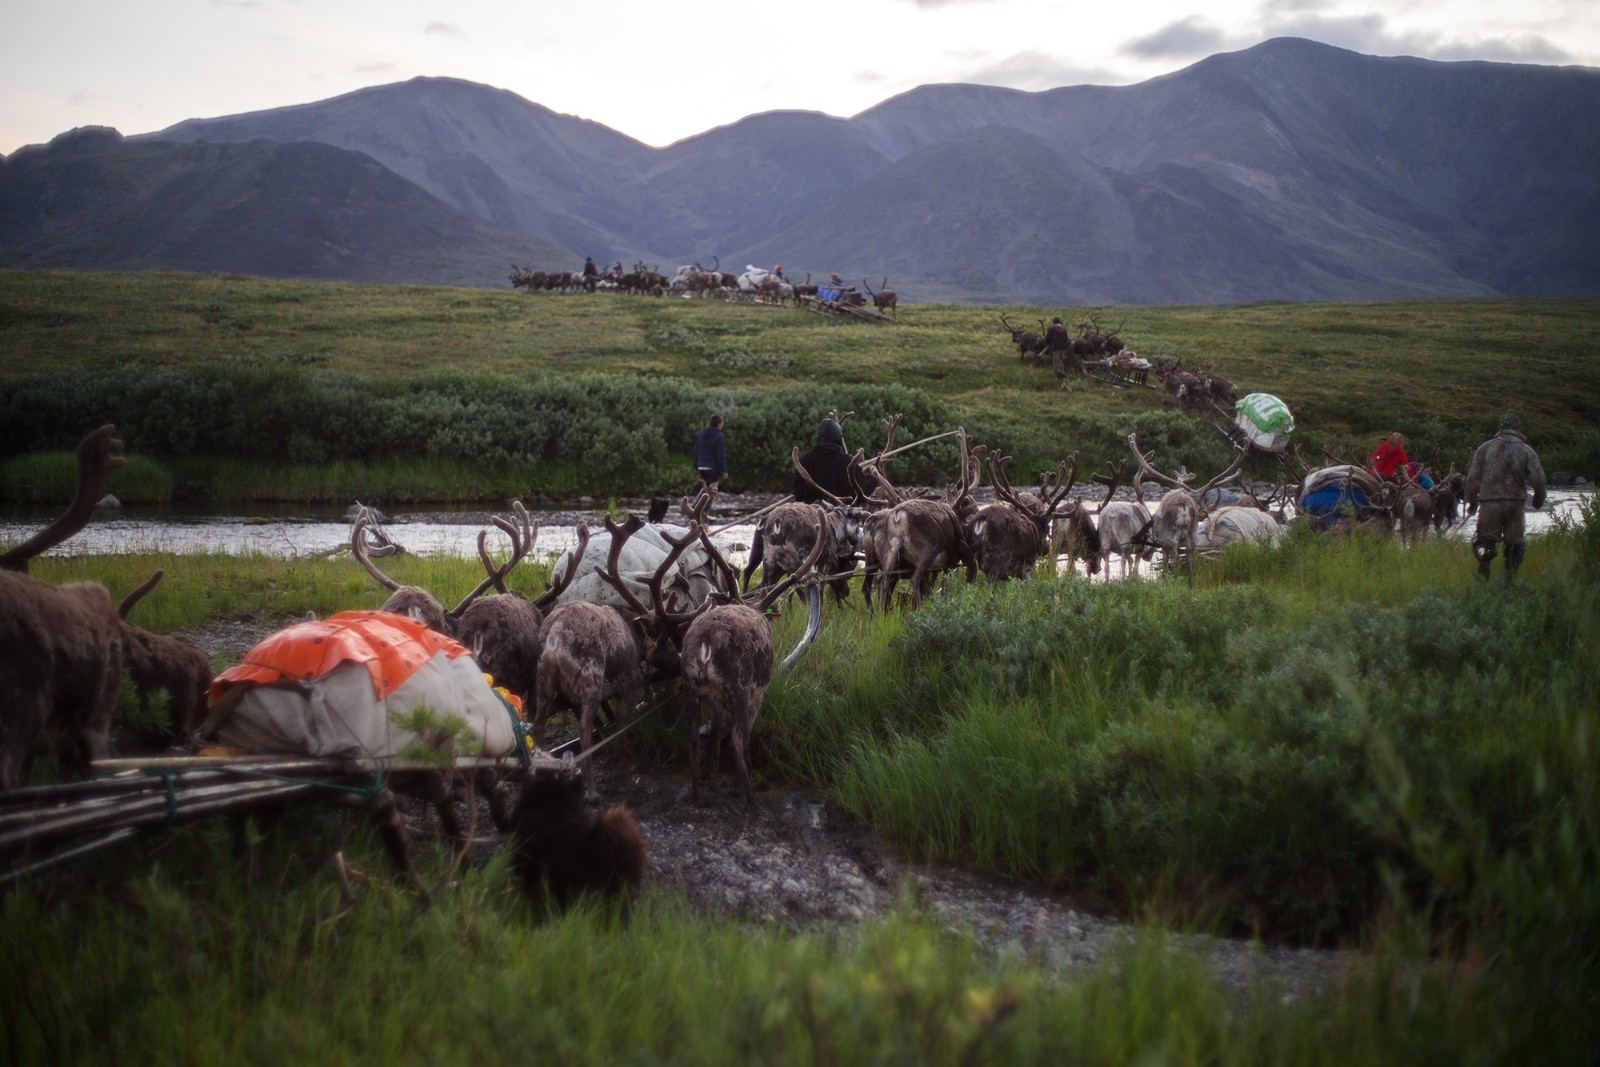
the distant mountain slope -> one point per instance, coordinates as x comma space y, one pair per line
91, 200
486, 151
1291, 170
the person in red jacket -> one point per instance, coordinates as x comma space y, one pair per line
1389, 455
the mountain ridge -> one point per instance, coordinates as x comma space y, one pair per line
1291, 170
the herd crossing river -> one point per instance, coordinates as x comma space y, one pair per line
289, 536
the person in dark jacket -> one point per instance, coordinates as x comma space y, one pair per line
1503, 469
829, 466
711, 453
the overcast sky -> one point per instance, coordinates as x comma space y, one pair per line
661, 71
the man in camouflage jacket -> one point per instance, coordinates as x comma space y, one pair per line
1503, 469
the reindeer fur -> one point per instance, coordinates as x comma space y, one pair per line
1173, 525
593, 655
788, 534
560, 849
1073, 534
727, 664
61, 672
60, 647
1005, 541
176, 664
919, 536
503, 631
1121, 523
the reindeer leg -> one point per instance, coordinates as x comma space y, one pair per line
438, 793
716, 735
586, 719
385, 814
744, 724
619, 717
691, 705
493, 787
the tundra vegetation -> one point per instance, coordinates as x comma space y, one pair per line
227, 387
1326, 741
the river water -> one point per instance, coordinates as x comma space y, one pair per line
290, 535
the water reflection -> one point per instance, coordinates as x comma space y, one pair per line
303, 535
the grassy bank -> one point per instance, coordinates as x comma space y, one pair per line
320, 391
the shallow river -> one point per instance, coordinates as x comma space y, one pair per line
289, 535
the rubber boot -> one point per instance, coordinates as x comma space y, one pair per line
1513, 560
1483, 548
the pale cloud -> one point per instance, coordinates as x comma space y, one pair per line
1522, 49
930, 5
1189, 38
1030, 70
444, 29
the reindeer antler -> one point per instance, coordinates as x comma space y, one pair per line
363, 551
522, 534
95, 462
138, 594
560, 582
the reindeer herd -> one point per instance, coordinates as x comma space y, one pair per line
639, 602
694, 280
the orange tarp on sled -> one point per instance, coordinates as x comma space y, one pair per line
391, 647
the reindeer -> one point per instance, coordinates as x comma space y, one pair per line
1218, 389
597, 654
1447, 499
60, 646
1026, 341
157, 662
784, 537
1175, 522
885, 299
503, 630
727, 654
1097, 343
419, 604
1008, 537
915, 535
1119, 526
1075, 533
1180, 387
787, 535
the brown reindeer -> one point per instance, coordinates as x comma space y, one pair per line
727, 654
503, 629
419, 604
915, 537
596, 654
165, 662
1027, 341
559, 849
1075, 532
1009, 536
60, 646
885, 299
